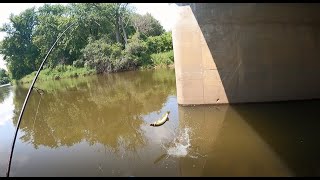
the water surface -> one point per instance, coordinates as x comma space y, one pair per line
99, 126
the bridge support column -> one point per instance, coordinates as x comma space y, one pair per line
239, 53
197, 78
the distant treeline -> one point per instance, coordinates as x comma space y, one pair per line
108, 37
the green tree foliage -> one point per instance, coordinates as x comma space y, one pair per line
18, 48
162, 59
51, 21
161, 43
136, 50
4, 78
108, 37
146, 25
103, 56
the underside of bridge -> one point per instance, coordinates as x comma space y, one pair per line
252, 52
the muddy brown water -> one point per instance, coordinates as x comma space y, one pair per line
99, 126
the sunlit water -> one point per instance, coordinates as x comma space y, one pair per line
99, 126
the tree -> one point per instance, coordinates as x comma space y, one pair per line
2, 72
52, 20
92, 19
18, 49
4, 79
146, 25
118, 15
162, 43
100, 27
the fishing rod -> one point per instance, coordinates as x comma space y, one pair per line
28, 95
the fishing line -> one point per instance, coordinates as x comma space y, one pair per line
28, 95
232, 76
35, 117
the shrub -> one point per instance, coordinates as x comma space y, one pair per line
162, 59
135, 52
102, 57
78, 63
157, 44
4, 78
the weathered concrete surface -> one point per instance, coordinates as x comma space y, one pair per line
238, 53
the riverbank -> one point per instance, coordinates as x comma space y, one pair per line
59, 72
69, 71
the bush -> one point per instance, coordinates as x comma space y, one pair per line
78, 63
162, 59
4, 78
103, 57
60, 68
135, 52
157, 44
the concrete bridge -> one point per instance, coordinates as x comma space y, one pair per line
239, 53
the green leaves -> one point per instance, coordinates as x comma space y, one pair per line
162, 43
52, 21
18, 48
4, 78
147, 25
108, 35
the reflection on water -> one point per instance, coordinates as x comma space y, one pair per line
99, 126
231, 147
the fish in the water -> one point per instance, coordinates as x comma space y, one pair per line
160, 158
161, 121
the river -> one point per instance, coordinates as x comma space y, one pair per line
99, 126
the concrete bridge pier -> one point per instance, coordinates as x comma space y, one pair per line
240, 53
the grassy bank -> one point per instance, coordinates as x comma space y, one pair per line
94, 63
59, 72
160, 61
